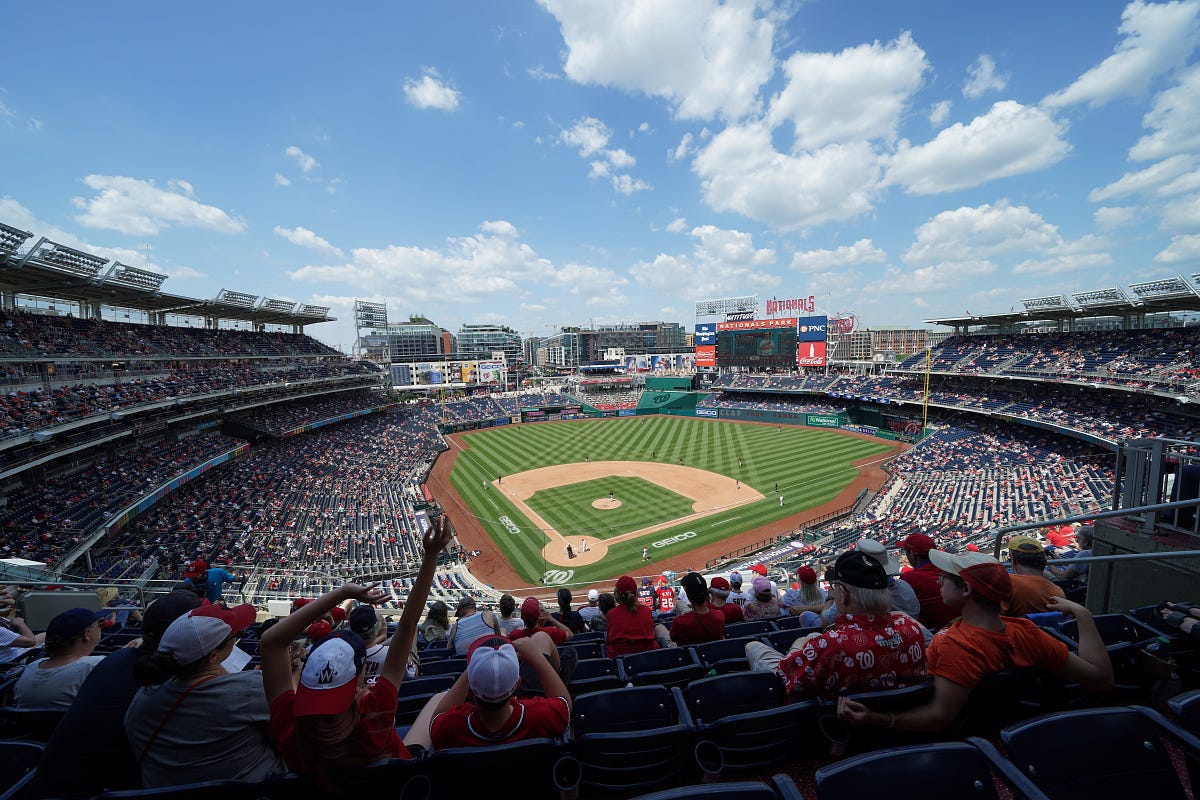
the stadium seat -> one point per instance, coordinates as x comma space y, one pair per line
1102, 752
1123, 637
632, 738
723, 655
425, 684
593, 675
206, 790
1008, 696
446, 666
34, 724
862, 739
781, 787
740, 630
472, 771
940, 771
586, 650
746, 716
668, 666
1186, 706
589, 636
17, 763
784, 639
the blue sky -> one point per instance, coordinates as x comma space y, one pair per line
554, 162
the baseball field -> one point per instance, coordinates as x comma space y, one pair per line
630, 494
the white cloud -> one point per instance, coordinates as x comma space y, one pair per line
13, 119
1156, 38
1145, 180
1010, 139
677, 225
430, 91
140, 208
705, 57
307, 163
682, 149
627, 184
303, 237
856, 94
939, 112
932, 278
863, 251
983, 232
281, 180
1087, 252
982, 78
620, 159
741, 171
589, 134
1174, 119
540, 73
1182, 214
584, 278
1108, 217
1181, 249
644, 127
722, 261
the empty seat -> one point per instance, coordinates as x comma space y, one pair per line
35, 724
669, 666
586, 650
784, 639
594, 675
473, 771
448, 666
17, 763
723, 655
756, 628
781, 787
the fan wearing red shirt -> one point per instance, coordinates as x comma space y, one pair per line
701, 624
923, 578
480, 709
537, 618
664, 599
718, 600
630, 626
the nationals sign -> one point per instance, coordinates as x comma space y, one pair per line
794, 306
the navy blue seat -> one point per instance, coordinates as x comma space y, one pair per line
586, 650
425, 684
1186, 706
741, 629
594, 675
862, 739
723, 655
18, 760
206, 790
745, 714
784, 639
447, 666
941, 771
1125, 749
631, 738
473, 771
787, 622
35, 724
781, 787
667, 666
589, 636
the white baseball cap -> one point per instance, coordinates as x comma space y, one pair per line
493, 670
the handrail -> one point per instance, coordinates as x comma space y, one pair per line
1120, 512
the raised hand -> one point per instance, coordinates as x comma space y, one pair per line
364, 594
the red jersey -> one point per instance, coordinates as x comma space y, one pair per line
924, 581
666, 599
629, 632
375, 737
557, 634
859, 654
531, 718
733, 613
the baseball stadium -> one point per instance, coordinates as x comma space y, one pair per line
600, 400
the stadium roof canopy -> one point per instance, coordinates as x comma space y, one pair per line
1140, 299
44, 268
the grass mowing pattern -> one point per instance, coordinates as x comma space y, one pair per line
809, 465
569, 508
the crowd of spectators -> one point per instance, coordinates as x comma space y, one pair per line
609, 399
43, 521
279, 418
334, 501
30, 335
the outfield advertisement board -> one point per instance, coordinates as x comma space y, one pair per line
706, 412
811, 354
823, 421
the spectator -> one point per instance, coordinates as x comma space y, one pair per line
606, 603
591, 613
718, 599
329, 721
1076, 572
88, 752
536, 617
901, 593
480, 709
195, 721
366, 625
982, 642
572, 619
869, 648
510, 617
52, 681
645, 593
701, 624
664, 597
1183, 616
436, 626
470, 624
630, 625
924, 580
736, 595
765, 603
215, 581
1030, 590
808, 597
16, 639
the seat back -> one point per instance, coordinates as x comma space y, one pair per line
942, 771
425, 684
755, 628
1124, 747
445, 666
630, 708
668, 666
35, 724
712, 654
18, 760
472, 771
1186, 706
656, 749
781, 787
710, 699
784, 639
593, 675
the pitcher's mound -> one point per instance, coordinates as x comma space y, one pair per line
606, 504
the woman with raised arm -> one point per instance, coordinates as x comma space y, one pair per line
332, 720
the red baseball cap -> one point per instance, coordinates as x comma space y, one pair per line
760, 569
919, 543
719, 583
531, 608
626, 584
807, 574
338, 613
196, 569
974, 548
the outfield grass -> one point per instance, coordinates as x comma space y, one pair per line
568, 509
810, 466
